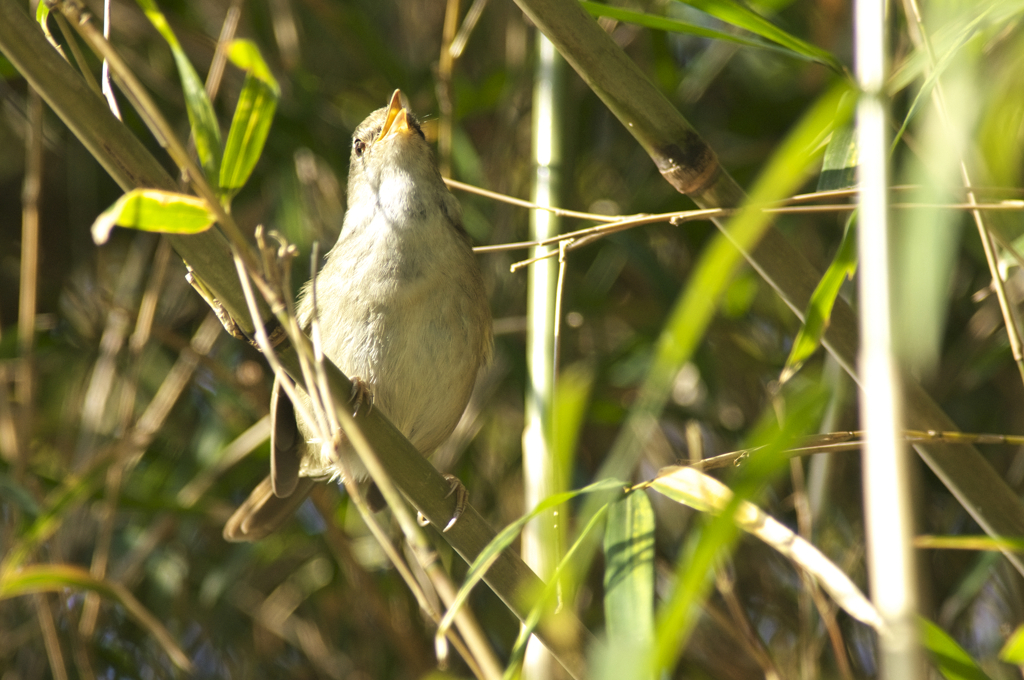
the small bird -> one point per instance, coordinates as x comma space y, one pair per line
402, 310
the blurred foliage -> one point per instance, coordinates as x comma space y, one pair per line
85, 476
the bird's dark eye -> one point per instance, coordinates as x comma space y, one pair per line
359, 146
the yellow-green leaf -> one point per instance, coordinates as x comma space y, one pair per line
249, 128
154, 210
245, 55
254, 114
555, 586
1013, 650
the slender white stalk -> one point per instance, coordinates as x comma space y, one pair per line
107, 88
886, 478
540, 544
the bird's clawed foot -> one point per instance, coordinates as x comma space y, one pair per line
461, 501
360, 394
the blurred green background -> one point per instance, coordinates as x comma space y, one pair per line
310, 602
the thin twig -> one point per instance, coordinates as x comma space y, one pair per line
29, 281
469, 23
835, 442
725, 583
559, 289
445, 96
105, 84
614, 223
511, 200
50, 639
76, 52
586, 236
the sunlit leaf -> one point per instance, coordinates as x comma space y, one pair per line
839, 166
246, 55
249, 128
253, 116
702, 492
154, 210
1013, 650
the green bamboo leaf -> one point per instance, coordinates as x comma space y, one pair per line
733, 13
819, 308
246, 55
568, 410
947, 41
201, 116
661, 23
949, 658
980, 543
512, 670
946, 44
253, 116
786, 169
249, 128
629, 584
839, 167
505, 537
41, 578
165, 212
1013, 650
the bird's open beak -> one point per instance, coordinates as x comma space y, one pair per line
397, 120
